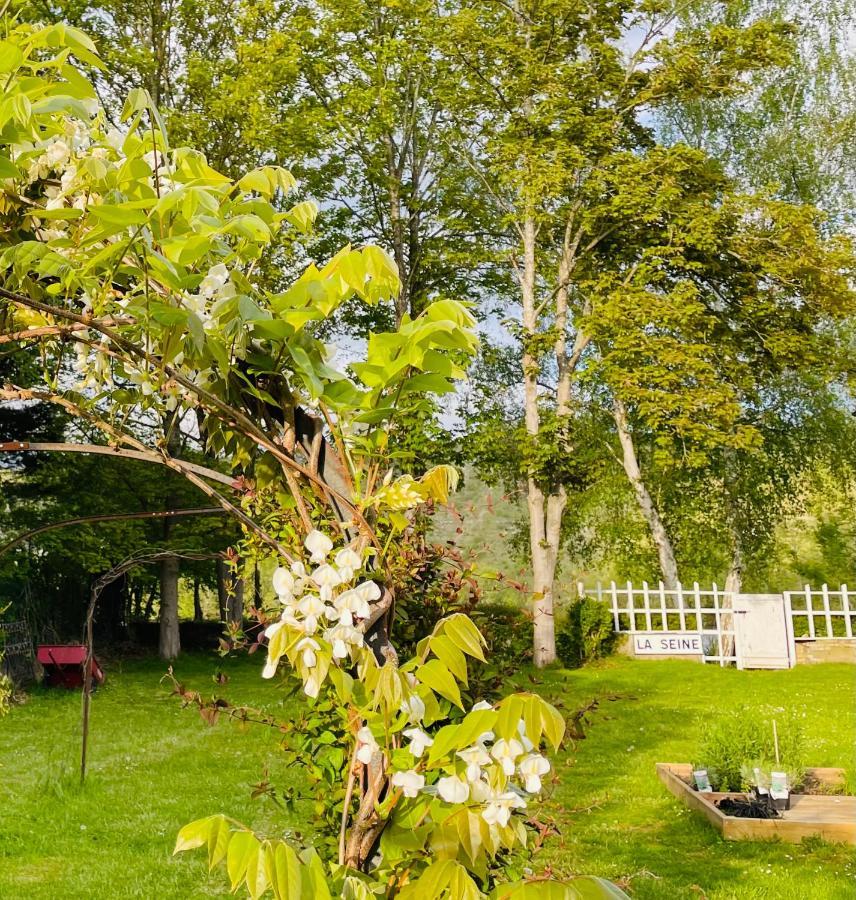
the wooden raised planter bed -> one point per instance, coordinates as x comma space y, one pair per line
828, 816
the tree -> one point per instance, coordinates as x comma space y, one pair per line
792, 130
634, 260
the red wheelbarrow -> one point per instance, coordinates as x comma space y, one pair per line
64, 665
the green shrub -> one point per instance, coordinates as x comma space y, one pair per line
508, 632
737, 741
586, 634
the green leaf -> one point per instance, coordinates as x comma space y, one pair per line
446, 651
302, 216
218, 840
283, 871
315, 887
553, 723
10, 57
123, 216
194, 834
464, 635
432, 883
508, 719
436, 676
138, 100
242, 848
8, 169
473, 725
64, 213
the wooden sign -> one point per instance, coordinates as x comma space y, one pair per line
667, 643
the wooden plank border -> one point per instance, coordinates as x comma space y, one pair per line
836, 828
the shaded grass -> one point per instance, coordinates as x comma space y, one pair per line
155, 767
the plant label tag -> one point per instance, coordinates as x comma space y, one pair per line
779, 785
760, 780
702, 781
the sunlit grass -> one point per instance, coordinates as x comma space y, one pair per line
155, 767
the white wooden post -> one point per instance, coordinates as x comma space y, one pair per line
809, 611
663, 613
649, 626
631, 606
845, 608
697, 601
789, 628
827, 614
681, 611
718, 619
616, 621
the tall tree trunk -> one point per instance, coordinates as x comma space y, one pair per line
150, 603
543, 511
733, 585
169, 644
197, 602
169, 567
222, 588
236, 599
665, 551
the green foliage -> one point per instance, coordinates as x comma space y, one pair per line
586, 633
507, 629
743, 738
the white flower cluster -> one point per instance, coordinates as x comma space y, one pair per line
323, 603
93, 368
215, 287
490, 765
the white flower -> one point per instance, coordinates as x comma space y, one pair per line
318, 545
521, 730
348, 563
418, 741
67, 179
271, 630
57, 153
453, 789
480, 791
349, 604
366, 745
340, 637
312, 685
283, 583
368, 591
505, 753
326, 576
414, 706
308, 646
482, 704
270, 668
215, 280
475, 757
311, 607
532, 767
410, 782
498, 809
115, 138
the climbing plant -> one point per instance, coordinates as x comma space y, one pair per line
130, 264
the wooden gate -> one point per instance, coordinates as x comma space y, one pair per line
762, 632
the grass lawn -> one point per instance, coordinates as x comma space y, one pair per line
155, 767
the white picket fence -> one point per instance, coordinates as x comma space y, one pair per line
693, 610
809, 614
821, 614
